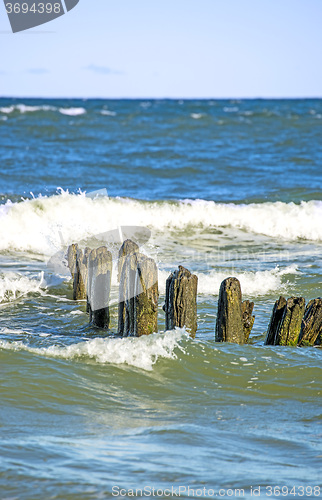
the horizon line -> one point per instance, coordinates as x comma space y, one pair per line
163, 98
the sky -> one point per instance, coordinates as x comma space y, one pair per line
168, 49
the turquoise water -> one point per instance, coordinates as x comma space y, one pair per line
227, 188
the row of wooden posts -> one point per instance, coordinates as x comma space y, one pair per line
291, 322
91, 271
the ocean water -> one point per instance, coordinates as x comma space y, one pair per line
225, 188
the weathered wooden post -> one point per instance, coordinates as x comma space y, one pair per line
289, 327
138, 292
229, 324
277, 314
248, 319
311, 328
99, 286
128, 247
81, 274
71, 258
181, 301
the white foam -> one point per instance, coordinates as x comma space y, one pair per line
72, 111
252, 283
23, 108
106, 112
7, 109
37, 225
15, 285
196, 116
142, 352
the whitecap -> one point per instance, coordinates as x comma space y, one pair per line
254, 283
196, 116
106, 112
38, 225
142, 352
72, 111
15, 285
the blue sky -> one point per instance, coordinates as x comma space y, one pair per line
168, 48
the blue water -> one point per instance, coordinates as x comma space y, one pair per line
215, 150
226, 188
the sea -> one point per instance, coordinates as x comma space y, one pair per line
222, 187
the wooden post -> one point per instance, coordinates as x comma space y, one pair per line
99, 286
181, 301
311, 328
290, 325
229, 324
138, 292
128, 248
80, 277
71, 258
248, 319
277, 314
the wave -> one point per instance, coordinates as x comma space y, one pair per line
196, 116
252, 283
106, 112
14, 285
142, 352
72, 111
23, 108
39, 225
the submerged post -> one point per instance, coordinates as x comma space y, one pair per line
181, 301
81, 274
138, 292
311, 328
71, 258
277, 315
229, 324
99, 286
290, 325
248, 318
128, 247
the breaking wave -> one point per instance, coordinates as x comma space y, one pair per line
142, 352
14, 285
252, 283
39, 224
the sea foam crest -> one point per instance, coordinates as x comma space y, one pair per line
38, 225
72, 111
142, 352
14, 285
252, 283
23, 108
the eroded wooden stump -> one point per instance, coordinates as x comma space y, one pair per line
80, 276
181, 301
290, 325
138, 296
71, 258
128, 247
277, 314
311, 328
229, 324
248, 319
99, 286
